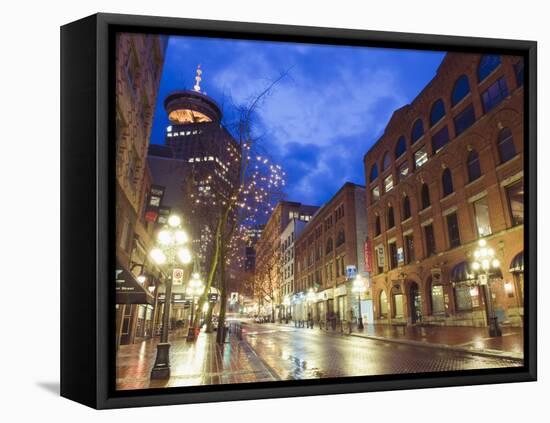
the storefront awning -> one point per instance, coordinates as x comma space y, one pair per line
128, 289
516, 266
462, 272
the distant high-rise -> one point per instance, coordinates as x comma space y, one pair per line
198, 162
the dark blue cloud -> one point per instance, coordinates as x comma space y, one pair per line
321, 118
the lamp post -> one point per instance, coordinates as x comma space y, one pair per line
171, 240
195, 288
286, 303
484, 262
310, 298
358, 288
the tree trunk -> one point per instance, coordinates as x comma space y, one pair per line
221, 318
208, 318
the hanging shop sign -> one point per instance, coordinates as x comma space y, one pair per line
156, 194
368, 256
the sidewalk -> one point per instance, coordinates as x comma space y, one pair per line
203, 362
464, 339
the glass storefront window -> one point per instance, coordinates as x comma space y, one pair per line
383, 304
438, 303
463, 298
398, 301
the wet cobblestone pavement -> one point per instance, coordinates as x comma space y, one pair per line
271, 352
310, 353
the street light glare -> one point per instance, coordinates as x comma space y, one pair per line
174, 221
181, 237
141, 279
184, 255
496, 263
164, 237
482, 243
158, 256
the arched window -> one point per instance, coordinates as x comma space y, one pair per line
506, 147
377, 228
341, 238
400, 147
460, 90
386, 161
373, 172
447, 182
329, 246
487, 65
437, 113
391, 218
425, 194
383, 304
406, 207
417, 131
474, 168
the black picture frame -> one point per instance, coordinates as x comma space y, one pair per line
87, 221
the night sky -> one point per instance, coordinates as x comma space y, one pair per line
321, 118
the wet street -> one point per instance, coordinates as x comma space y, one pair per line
270, 352
300, 353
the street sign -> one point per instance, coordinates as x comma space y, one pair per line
177, 277
212, 298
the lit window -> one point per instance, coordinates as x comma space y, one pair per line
375, 193
197, 159
169, 128
210, 158
403, 170
170, 134
388, 183
420, 157
191, 160
481, 209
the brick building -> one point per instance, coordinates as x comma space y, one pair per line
139, 62
331, 244
268, 276
447, 171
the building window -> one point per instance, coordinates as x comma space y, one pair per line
329, 246
515, 202
392, 247
506, 147
425, 194
373, 172
131, 171
383, 304
447, 182
380, 258
409, 249
340, 238
430, 240
518, 71
460, 90
375, 193
463, 298
452, 229
420, 157
464, 119
386, 161
437, 113
388, 183
417, 131
474, 168
440, 139
438, 302
406, 207
481, 210
403, 171
377, 228
487, 65
493, 95
391, 218
400, 147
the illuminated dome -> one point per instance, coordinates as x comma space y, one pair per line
189, 106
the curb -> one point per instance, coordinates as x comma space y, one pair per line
486, 353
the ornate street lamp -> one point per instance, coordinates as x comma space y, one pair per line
170, 250
195, 288
358, 288
484, 264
